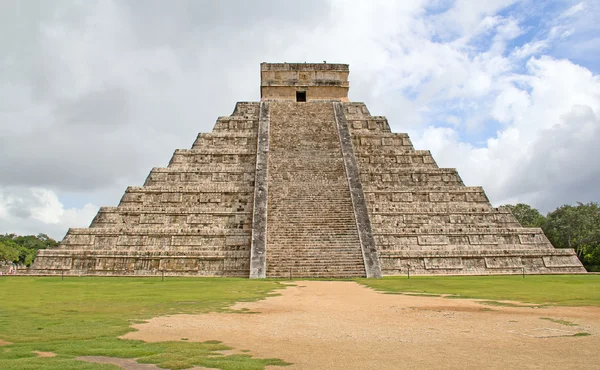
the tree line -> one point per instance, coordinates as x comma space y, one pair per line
576, 227
23, 249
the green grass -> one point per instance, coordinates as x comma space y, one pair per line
504, 304
559, 321
561, 290
85, 316
582, 334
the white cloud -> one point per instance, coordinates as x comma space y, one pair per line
28, 211
548, 147
95, 94
579, 7
529, 49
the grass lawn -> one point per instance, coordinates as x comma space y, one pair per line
562, 290
84, 317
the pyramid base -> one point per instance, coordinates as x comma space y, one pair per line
137, 263
141, 263
484, 262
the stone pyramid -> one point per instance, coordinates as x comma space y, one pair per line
307, 184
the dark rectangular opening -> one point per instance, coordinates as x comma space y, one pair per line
300, 96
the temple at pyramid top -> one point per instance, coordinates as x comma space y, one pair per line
302, 82
304, 183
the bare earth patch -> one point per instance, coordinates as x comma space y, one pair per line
4, 343
45, 354
321, 325
124, 363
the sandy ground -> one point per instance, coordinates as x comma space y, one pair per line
4, 343
343, 325
45, 354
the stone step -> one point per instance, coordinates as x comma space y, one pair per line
315, 275
291, 218
292, 202
320, 234
308, 235
310, 212
313, 238
304, 228
341, 251
299, 243
319, 247
302, 207
315, 261
331, 265
316, 272
312, 222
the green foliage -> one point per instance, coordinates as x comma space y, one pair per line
576, 227
526, 215
9, 251
559, 321
561, 290
85, 317
23, 249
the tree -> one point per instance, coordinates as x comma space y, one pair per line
9, 252
576, 227
526, 215
23, 249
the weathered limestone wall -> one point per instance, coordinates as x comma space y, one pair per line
313, 93
193, 217
425, 219
320, 81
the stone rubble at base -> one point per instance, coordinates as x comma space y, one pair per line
308, 189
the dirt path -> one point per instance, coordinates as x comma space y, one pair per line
329, 325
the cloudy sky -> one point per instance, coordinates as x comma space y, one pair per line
93, 94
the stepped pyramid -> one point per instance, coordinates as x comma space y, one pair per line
308, 184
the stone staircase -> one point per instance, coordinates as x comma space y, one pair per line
312, 228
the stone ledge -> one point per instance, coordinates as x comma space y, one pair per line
208, 188
459, 231
304, 67
432, 189
155, 231
550, 251
215, 151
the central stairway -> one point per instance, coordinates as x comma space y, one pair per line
312, 229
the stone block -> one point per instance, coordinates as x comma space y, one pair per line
483, 239
561, 261
512, 262
433, 239
533, 238
443, 263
